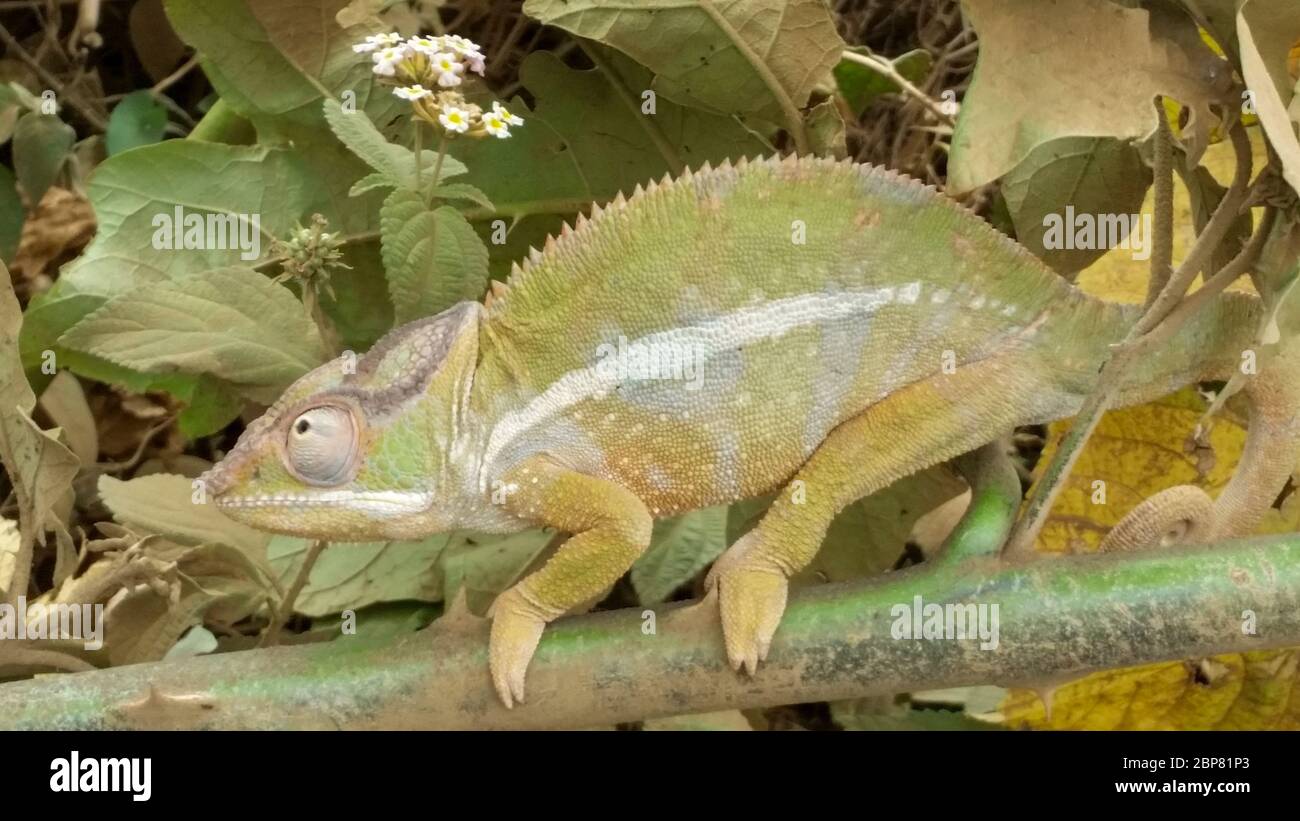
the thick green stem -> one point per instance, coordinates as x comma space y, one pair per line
1058, 618
223, 125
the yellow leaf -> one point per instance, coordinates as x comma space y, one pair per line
1136, 452
1243, 691
1118, 277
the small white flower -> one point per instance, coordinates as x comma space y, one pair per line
449, 69
386, 60
428, 46
506, 117
461, 45
377, 41
413, 93
494, 125
475, 62
454, 119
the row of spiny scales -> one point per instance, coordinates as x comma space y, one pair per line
570, 238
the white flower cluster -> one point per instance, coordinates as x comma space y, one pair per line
448, 56
427, 70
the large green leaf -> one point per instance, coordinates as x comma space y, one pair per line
137, 194
231, 323
680, 548
273, 61
348, 576
1092, 175
164, 503
756, 58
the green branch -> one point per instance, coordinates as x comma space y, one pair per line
1059, 618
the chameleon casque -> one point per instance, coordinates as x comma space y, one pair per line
821, 362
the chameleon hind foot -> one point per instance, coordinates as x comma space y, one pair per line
751, 600
517, 625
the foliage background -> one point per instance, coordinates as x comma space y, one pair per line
230, 106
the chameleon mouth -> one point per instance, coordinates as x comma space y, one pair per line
380, 502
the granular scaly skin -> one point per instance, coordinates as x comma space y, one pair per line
804, 324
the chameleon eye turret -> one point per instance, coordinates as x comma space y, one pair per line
321, 445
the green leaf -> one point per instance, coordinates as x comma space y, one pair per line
137, 120
586, 141
486, 565
12, 215
164, 503
274, 61
867, 537
860, 85
827, 130
231, 323
395, 164
1093, 175
42, 143
753, 58
463, 191
348, 576
432, 258
679, 549
136, 196
211, 406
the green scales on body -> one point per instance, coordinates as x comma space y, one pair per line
814, 321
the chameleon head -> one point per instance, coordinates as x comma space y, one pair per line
357, 450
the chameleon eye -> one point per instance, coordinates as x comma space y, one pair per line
322, 445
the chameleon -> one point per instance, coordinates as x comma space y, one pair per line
765, 325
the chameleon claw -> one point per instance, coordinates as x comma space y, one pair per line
751, 603
516, 632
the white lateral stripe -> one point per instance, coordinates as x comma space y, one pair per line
704, 341
378, 502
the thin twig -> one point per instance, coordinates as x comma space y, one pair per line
88, 114
1162, 254
285, 610
886, 68
1215, 230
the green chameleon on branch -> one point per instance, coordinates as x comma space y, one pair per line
844, 326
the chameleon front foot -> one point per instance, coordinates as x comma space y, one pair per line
517, 625
751, 599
